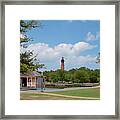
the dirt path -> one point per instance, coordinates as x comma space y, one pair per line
52, 94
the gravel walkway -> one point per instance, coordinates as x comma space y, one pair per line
56, 90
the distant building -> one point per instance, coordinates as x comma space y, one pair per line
29, 79
62, 63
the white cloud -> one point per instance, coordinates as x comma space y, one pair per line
90, 36
52, 55
76, 62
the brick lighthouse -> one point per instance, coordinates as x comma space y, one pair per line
62, 63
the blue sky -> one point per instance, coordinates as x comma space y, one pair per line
76, 40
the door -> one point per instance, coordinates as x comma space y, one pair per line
24, 82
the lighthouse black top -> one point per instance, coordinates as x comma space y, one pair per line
62, 60
62, 63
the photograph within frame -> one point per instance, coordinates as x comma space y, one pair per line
63, 60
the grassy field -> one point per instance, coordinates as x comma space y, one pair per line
63, 95
94, 92
34, 96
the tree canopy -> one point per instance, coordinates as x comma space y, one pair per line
25, 26
81, 75
28, 61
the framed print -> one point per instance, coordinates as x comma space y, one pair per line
60, 60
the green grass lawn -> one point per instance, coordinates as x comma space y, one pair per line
34, 96
91, 92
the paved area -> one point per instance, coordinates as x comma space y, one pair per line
56, 90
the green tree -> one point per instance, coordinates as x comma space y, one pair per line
94, 76
28, 61
26, 25
81, 76
61, 74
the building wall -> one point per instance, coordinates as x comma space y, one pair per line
31, 81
